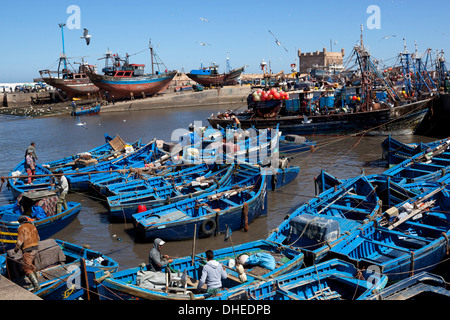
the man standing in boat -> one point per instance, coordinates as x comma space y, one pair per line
30, 166
27, 242
62, 189
32, 148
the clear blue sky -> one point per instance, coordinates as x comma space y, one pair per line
31, 38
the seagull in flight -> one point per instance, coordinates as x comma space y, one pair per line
86, 36
387, 37
278, 42
204, 44
80, 124
203, 19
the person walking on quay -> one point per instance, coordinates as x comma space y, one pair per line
155, 258
62, 188
30, 166
27, 242
212, 274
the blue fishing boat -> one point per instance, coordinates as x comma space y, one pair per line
123, 206
428, 165
65, 271
121, 183
291, 143
18, 179
424, 285
79, 178
233, 207
179, 280
112, 148
410, 236
330, 280
395, 151
41, 206
87, 111
322, 222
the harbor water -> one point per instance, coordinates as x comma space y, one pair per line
57, 137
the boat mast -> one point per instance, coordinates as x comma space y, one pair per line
151, 55
366, 79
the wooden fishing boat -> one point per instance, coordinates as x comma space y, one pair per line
128, 80
87, 111
322, 222
74, 84
233, 207
395, 254
372, 111
123, 206
330, 280
291, 143
47, 222
210, 76
65, 271
428, 165
424, 285
18, 179
128, 284
410, 236
395, 152
138, 158
112, 148
117, 182
402, 119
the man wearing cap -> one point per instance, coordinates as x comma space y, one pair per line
27, 242
155, 257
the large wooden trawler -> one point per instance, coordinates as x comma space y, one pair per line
75, 83
122, 79
210, 76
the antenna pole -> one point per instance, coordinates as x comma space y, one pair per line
61, 25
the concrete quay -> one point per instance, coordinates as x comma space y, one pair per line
11, 291
230, 97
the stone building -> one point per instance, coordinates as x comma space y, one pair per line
309, 60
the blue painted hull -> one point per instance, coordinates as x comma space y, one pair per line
89, 111
46, 227
59, 287
331, 280
204, 223
395, 152
122, 207
122, 285
395, 254
350, 206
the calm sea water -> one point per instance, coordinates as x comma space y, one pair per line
57, 137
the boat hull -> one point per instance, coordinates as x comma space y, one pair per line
73, 87
399, 120
206, 80
46, 227
136, 86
